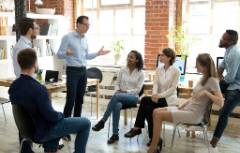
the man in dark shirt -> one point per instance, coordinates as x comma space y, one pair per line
33, 97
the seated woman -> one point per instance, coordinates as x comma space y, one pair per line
207, 90
129, 83
164, 93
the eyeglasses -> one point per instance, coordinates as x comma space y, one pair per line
86, 24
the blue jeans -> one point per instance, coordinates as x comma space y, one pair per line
80, 126
115, 105
76, 85
232, 99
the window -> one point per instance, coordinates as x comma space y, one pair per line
206, 21
113, 20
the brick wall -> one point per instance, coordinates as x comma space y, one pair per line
63, 7
159, 16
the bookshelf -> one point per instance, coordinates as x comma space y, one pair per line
46, 44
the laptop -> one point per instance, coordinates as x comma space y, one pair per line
51, 76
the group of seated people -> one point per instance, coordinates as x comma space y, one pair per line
160, 106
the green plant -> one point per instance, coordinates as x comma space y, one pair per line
118, 46
182, 41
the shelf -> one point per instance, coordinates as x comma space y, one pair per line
43, 16
7, 37
6, 14
48, 37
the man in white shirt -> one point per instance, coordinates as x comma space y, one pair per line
28, 30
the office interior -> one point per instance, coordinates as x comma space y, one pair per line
190, 27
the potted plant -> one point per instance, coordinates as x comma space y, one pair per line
117, 47
181, 40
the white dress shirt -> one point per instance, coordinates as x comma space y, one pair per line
22, 43
165, 84
133, 82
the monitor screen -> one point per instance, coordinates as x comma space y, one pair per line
180, 63
219, 61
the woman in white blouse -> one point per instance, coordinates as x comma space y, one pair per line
164, 93
207, 90
129, 84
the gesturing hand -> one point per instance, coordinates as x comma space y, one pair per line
103, 52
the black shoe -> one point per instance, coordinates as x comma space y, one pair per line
26, 147
98, 126
67, 138
113, 139
149, 142
132, 133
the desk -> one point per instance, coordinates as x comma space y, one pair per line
60, 86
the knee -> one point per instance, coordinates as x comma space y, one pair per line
86, 123
118, 106
157, 114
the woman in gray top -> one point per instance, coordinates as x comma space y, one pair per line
207, 90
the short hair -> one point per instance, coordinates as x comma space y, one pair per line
139, 58
25, 24
26, 58
169, 53
80, 19
233, 36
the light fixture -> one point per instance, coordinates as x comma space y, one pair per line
37, 2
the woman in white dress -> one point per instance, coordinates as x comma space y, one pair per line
207, 90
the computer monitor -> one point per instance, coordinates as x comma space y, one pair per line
51, 76
180, 63
219, 61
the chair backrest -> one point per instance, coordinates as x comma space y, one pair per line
23, 122
94, 73
207, 114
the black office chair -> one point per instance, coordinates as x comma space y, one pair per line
93, 73
25, 125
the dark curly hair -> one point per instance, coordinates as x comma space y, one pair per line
139, 58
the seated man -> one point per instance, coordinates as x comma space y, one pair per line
33, 97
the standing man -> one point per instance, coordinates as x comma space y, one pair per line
74, 49
232, 94
28, 30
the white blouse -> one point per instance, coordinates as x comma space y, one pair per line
132, 82
165, 84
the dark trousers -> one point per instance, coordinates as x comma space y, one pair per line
145, 112
232, 100
76, 84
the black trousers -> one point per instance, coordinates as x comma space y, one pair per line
145, 112
76, 86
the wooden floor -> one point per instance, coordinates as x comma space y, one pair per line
97, 143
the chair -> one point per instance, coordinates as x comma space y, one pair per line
2, 102
203, 126
93, 73
125, 108
25, 125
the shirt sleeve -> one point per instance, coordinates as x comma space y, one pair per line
232, 65
119, 78
173, 86
140, 82
214, 84
45, 106
155, 82
63, 48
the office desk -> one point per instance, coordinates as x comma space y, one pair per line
58, 87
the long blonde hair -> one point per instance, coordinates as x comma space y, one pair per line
206, 61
